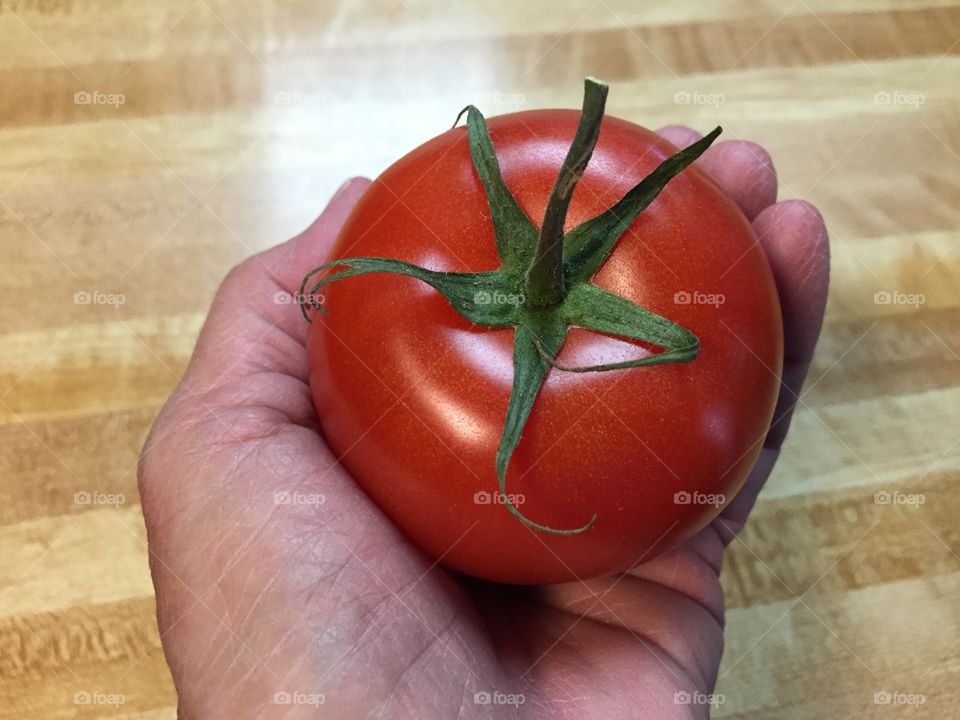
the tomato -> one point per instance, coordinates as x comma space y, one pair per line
412, 397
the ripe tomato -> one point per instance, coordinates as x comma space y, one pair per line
412, 396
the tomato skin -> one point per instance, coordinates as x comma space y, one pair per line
412, 397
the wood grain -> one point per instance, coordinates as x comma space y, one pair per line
239, 119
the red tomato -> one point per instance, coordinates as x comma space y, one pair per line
412, 397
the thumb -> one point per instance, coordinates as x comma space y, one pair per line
254, 325
290, 261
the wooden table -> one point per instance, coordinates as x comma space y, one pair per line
147, 147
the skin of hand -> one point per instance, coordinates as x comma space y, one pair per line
272, 609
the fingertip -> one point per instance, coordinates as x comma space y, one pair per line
802, 213
745, 171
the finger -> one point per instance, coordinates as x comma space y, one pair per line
743, 169
794, 238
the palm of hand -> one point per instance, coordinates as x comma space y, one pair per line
268, 608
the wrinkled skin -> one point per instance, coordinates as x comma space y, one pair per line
256, 597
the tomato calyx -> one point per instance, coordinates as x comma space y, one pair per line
542, 286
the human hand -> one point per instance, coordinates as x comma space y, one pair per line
262, 601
